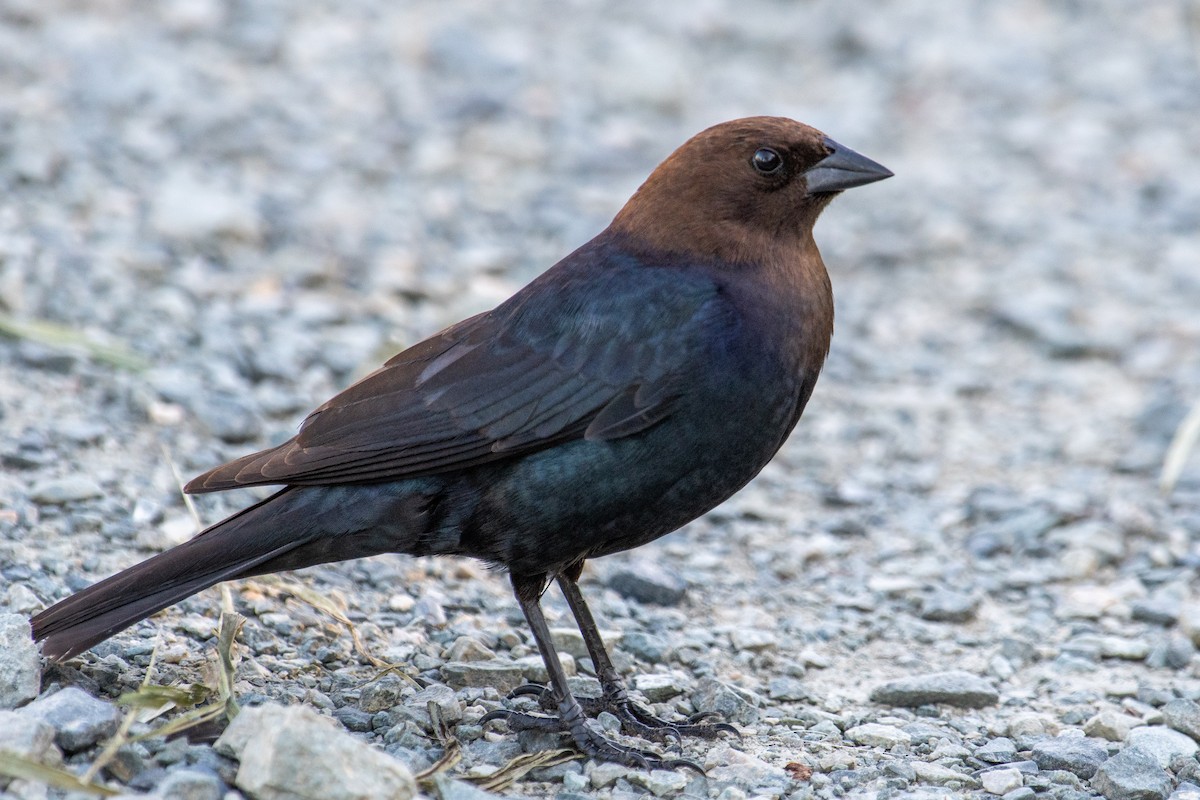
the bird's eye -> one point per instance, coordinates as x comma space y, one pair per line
767, 161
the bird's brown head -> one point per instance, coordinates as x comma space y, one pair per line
743, 189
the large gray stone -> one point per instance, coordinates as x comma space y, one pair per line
1132, 774
1183, 716
1076, 754
79, 720
292, 753
28, 737
954, 688
20, 668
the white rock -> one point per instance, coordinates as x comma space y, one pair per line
20, 670
1001, 781
292, 753
873, 734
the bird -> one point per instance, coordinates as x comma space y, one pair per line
636, 384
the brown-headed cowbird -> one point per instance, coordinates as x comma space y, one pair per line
629, 389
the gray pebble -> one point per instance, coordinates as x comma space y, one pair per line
453, 789
1113, 726
228, 417
1075, 754
644, 646
658, 688
873, 734
1173, 652
788, 689
1162, 743
20, 664
26, 736
733, 706
1132, 774
292, 753
354, 719
1000, 750
1158, 610
190, 784
442, 697
382, 694
60, 491
954, 688
948, 606
648, 582
502, 675
1024, 793
79, 720
1001, 781
1183, 716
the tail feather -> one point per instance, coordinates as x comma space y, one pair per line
222, 552
294, 528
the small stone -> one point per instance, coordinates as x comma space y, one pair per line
712, 695
229, 417
1132, 774
354, 719
1001, 781
954, 688
535, 670
1186, 791
468, 648
292, 753
20, 665
1024, 793
948, 606
190, 784
606, 774
1189, 621
453, 789
570, 641
1000, 750
28, 737
645, 646
788, 689
1028, 727
1075, 754
443, 697
1157, 610
1162, 743
1124, 648
753, 639
501, 675
874, 734
382, 694
60, 491
658, 688
659, 782
79, 720
191, 207
1112, 726
648, 582
941, 775
1173, 652
1183, 716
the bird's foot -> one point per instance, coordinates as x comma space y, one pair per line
635, 719
589, 741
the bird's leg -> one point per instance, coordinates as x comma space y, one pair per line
571, 718
634, 718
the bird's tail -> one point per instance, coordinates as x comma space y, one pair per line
293, 528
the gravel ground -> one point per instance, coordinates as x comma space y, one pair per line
959, 577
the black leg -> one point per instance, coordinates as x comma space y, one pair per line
571, 718
634, 718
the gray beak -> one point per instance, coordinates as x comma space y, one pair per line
843, 169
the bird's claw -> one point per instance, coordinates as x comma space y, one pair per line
590, 742
635, 719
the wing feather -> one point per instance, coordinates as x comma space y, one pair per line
534, 372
